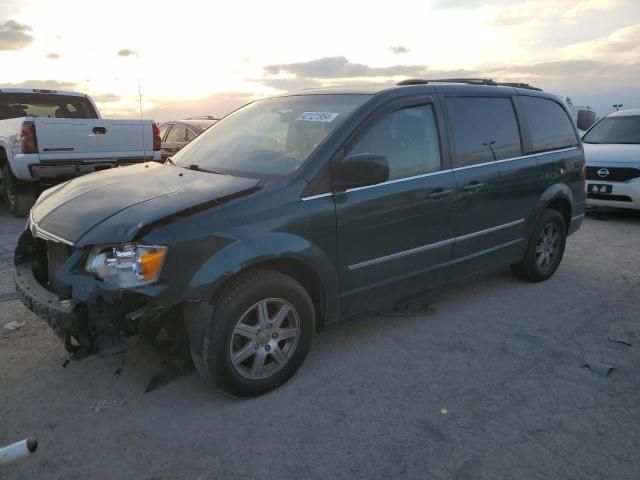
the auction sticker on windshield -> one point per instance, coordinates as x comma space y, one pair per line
317, 116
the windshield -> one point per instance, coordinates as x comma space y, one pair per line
272, 137
623, 129
15, 105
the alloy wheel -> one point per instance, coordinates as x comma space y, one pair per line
264, 339
547, 246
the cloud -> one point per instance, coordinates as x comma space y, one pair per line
289, 84
623, 44
14, 36
399, 49
218, 104
48, 84
340, 67
54, 56
106, 97
509, 20
127, 52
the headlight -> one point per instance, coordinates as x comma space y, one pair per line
127, 265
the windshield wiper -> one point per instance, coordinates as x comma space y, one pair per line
198, 168
169, 161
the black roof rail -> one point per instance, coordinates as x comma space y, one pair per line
470, 81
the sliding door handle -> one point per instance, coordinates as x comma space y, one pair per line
438, 193
472, 187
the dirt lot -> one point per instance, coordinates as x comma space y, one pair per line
489, 384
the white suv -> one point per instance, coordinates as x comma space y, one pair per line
612, 152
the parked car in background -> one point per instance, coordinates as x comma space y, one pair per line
299, 210
177, 133
48, 136
612, 152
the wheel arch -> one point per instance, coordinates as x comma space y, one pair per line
294, 268
557, 197
284, 253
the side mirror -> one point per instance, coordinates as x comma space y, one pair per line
361, 169
585, 119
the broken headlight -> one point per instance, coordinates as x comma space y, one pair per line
126, 265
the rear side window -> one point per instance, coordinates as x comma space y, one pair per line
484, 129
550, 127
408, 138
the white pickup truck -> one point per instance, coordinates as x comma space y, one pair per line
48, 136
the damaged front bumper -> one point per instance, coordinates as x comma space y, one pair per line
88, 315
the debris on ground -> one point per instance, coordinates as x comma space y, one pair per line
622, 340
464, 422
101, 406
598, 367
13, 325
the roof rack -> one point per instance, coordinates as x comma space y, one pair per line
470, 81
202, 117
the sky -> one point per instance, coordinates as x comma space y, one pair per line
209, 57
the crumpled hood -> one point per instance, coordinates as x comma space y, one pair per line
606, 154
129, 198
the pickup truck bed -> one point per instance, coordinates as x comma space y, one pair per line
47, 137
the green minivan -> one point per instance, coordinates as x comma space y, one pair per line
296, 211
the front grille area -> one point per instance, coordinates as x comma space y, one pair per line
57, 255
606, 196
616, 174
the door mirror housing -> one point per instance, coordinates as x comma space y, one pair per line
362, 169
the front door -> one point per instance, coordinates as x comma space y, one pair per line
395, 238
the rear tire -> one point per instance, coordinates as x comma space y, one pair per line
19, 196
545, 248
256, 334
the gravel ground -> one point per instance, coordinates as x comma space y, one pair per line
489, 383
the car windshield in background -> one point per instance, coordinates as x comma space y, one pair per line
15, 105
623, 129
267, 138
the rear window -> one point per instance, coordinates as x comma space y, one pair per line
550, 127
15, 105
484, 129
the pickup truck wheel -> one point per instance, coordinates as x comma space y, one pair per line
544, 250
19, 196
257, 333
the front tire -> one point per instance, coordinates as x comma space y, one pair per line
544, 250
19, 196
256, 334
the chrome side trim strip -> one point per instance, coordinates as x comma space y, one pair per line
577, 217
515, 158
398, 180
488, 230
431, 246
402, 254
313, 197
442, 171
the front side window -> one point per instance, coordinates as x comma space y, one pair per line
549, 125
622, 129
269, 138
408, 138
484, 129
